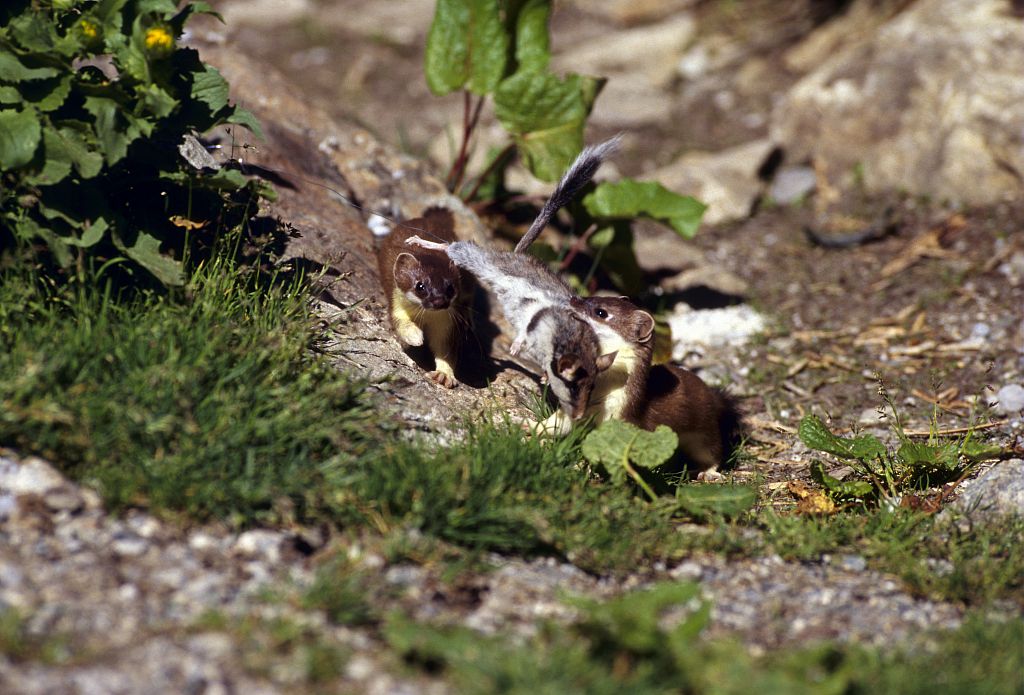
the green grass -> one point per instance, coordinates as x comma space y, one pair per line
212, 405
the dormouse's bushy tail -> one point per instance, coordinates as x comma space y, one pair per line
581, 171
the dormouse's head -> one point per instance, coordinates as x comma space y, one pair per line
427, 278
628, 321
575, 364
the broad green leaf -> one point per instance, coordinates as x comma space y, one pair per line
63, 148
532, 49
814, 434
633, 621
108, 13
850, 489
9, 95
628, 199
114, 128
146, 252
13, 70
156, 6
980, 451
545, 115
32, 30
157, 101
92, 234
618, 259
47, 95
466, 47
27, 228
717, 499
615, 442
247, 119
210, 88
20, 134
936, 456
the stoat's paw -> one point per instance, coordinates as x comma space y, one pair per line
711, 475
443, 379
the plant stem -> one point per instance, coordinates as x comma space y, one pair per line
576, 247
470, 117
488, 171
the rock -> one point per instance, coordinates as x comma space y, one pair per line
792, 184
695, 330
998, 492
260, 543
1010, 399
931, 103
32, 476
727, 181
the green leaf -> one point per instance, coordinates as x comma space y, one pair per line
247, 119
20, 134
545, 115
47, 95
10, 95
27, 228
466, 47
615, 442
146, 252
850, 489
628, 199
980, 451
114, 127
157, 101
92, 234
915, 454
533, 52
13, 70
156, 6
210, 88
702, 501
814, 434
66, 147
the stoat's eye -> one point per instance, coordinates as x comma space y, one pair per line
420, 288
601, 313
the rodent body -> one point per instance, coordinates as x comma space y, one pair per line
427, 295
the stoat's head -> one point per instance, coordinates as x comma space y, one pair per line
617, 317
427, 278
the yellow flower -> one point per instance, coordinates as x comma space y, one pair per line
159, 41
89, 29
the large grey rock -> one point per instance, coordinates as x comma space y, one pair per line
999, 492
931, 103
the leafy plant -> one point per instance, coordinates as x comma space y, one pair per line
96, 99
887, 473
501, 49
626, 452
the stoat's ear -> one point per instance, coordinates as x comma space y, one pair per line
643, 325
406, 263
605, 361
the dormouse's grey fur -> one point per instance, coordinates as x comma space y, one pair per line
537, 303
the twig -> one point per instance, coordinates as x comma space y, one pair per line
469, 122
488, 171
577, 247
959, 430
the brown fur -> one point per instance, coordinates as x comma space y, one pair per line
705, 419
427, 296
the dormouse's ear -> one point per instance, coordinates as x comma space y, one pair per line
605, 361
405, 263
644, 326
566, 367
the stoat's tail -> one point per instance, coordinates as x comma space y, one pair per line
581, 171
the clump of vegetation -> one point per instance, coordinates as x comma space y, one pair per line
631, 643
625, 453
97, 97
884, 474
500, 49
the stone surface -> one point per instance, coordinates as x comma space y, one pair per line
931, 103
997, 492
727, 181
1010, 399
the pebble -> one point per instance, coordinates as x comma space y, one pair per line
998, 492
1010, 399
792, 184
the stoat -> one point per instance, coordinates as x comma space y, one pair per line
705, 419
426, 294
